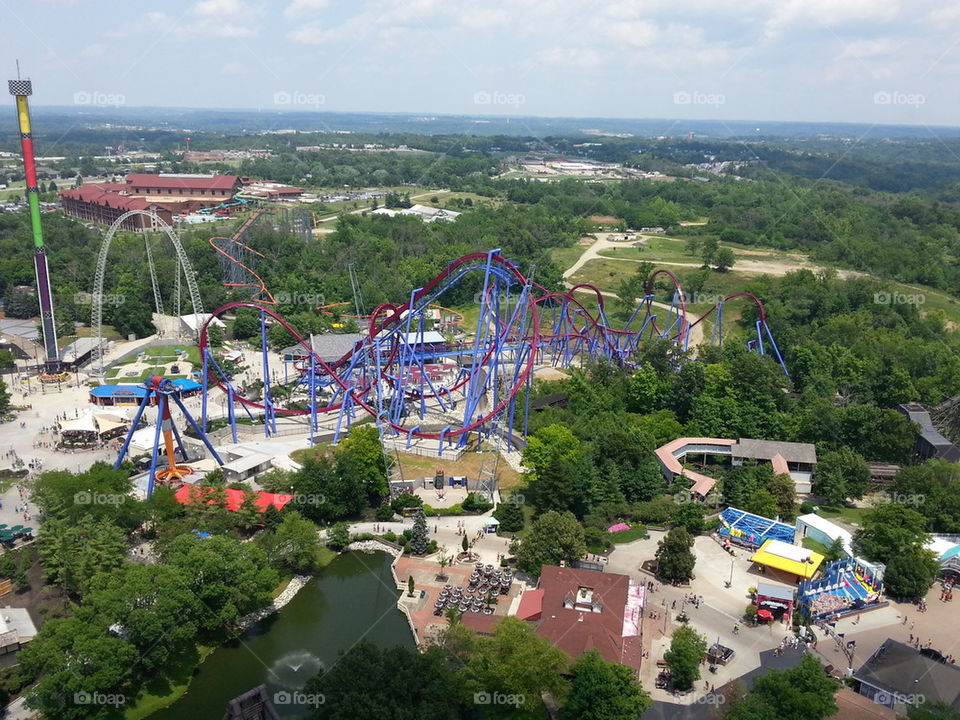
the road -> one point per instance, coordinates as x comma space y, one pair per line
603, 243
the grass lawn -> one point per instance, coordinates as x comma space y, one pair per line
816, 546
655, 248
625, 536
852, 515
567, 256
163, 690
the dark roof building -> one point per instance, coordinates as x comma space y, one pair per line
583, 610
929, 443
896, 675
329, 347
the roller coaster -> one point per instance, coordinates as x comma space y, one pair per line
419, 385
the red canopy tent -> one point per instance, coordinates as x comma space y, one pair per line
764, 614
189, 494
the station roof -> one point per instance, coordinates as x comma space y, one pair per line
768, 449
898, 668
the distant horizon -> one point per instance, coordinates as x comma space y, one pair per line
104, 114
871, 62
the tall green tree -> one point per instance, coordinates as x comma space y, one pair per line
230, 578
73, 555
841, 474
602, 690
360, 460
889, 530
293, 543
419, 541
675, 560
687, 650
552, 537
804, 692
387, 684
514, 661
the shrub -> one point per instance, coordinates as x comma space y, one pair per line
476, 503
404, 501
597, 540
385, 513
338, 537
806, 507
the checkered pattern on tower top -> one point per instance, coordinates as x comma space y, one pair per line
20, 87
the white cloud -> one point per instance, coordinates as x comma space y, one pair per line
93, 50
300, 8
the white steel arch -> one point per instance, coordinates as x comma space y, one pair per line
97, 299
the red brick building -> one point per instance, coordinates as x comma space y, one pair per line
104, 203
183, 186
581, 610
165, 194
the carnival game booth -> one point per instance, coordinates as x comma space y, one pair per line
775, 599
794, 563
847, 586
742, 528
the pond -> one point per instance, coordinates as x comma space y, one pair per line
353, 598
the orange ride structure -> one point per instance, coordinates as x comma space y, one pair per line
162, 393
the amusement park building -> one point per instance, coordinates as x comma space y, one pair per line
164, 194
579, 610
105, 202
789, 458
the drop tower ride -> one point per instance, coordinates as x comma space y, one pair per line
21, 89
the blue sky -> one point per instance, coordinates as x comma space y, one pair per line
875, 61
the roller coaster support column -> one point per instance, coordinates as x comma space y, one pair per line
204, 378
269, 416
313, 396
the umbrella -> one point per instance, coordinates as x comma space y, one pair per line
764, 614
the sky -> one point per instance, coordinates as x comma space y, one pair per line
869, 61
